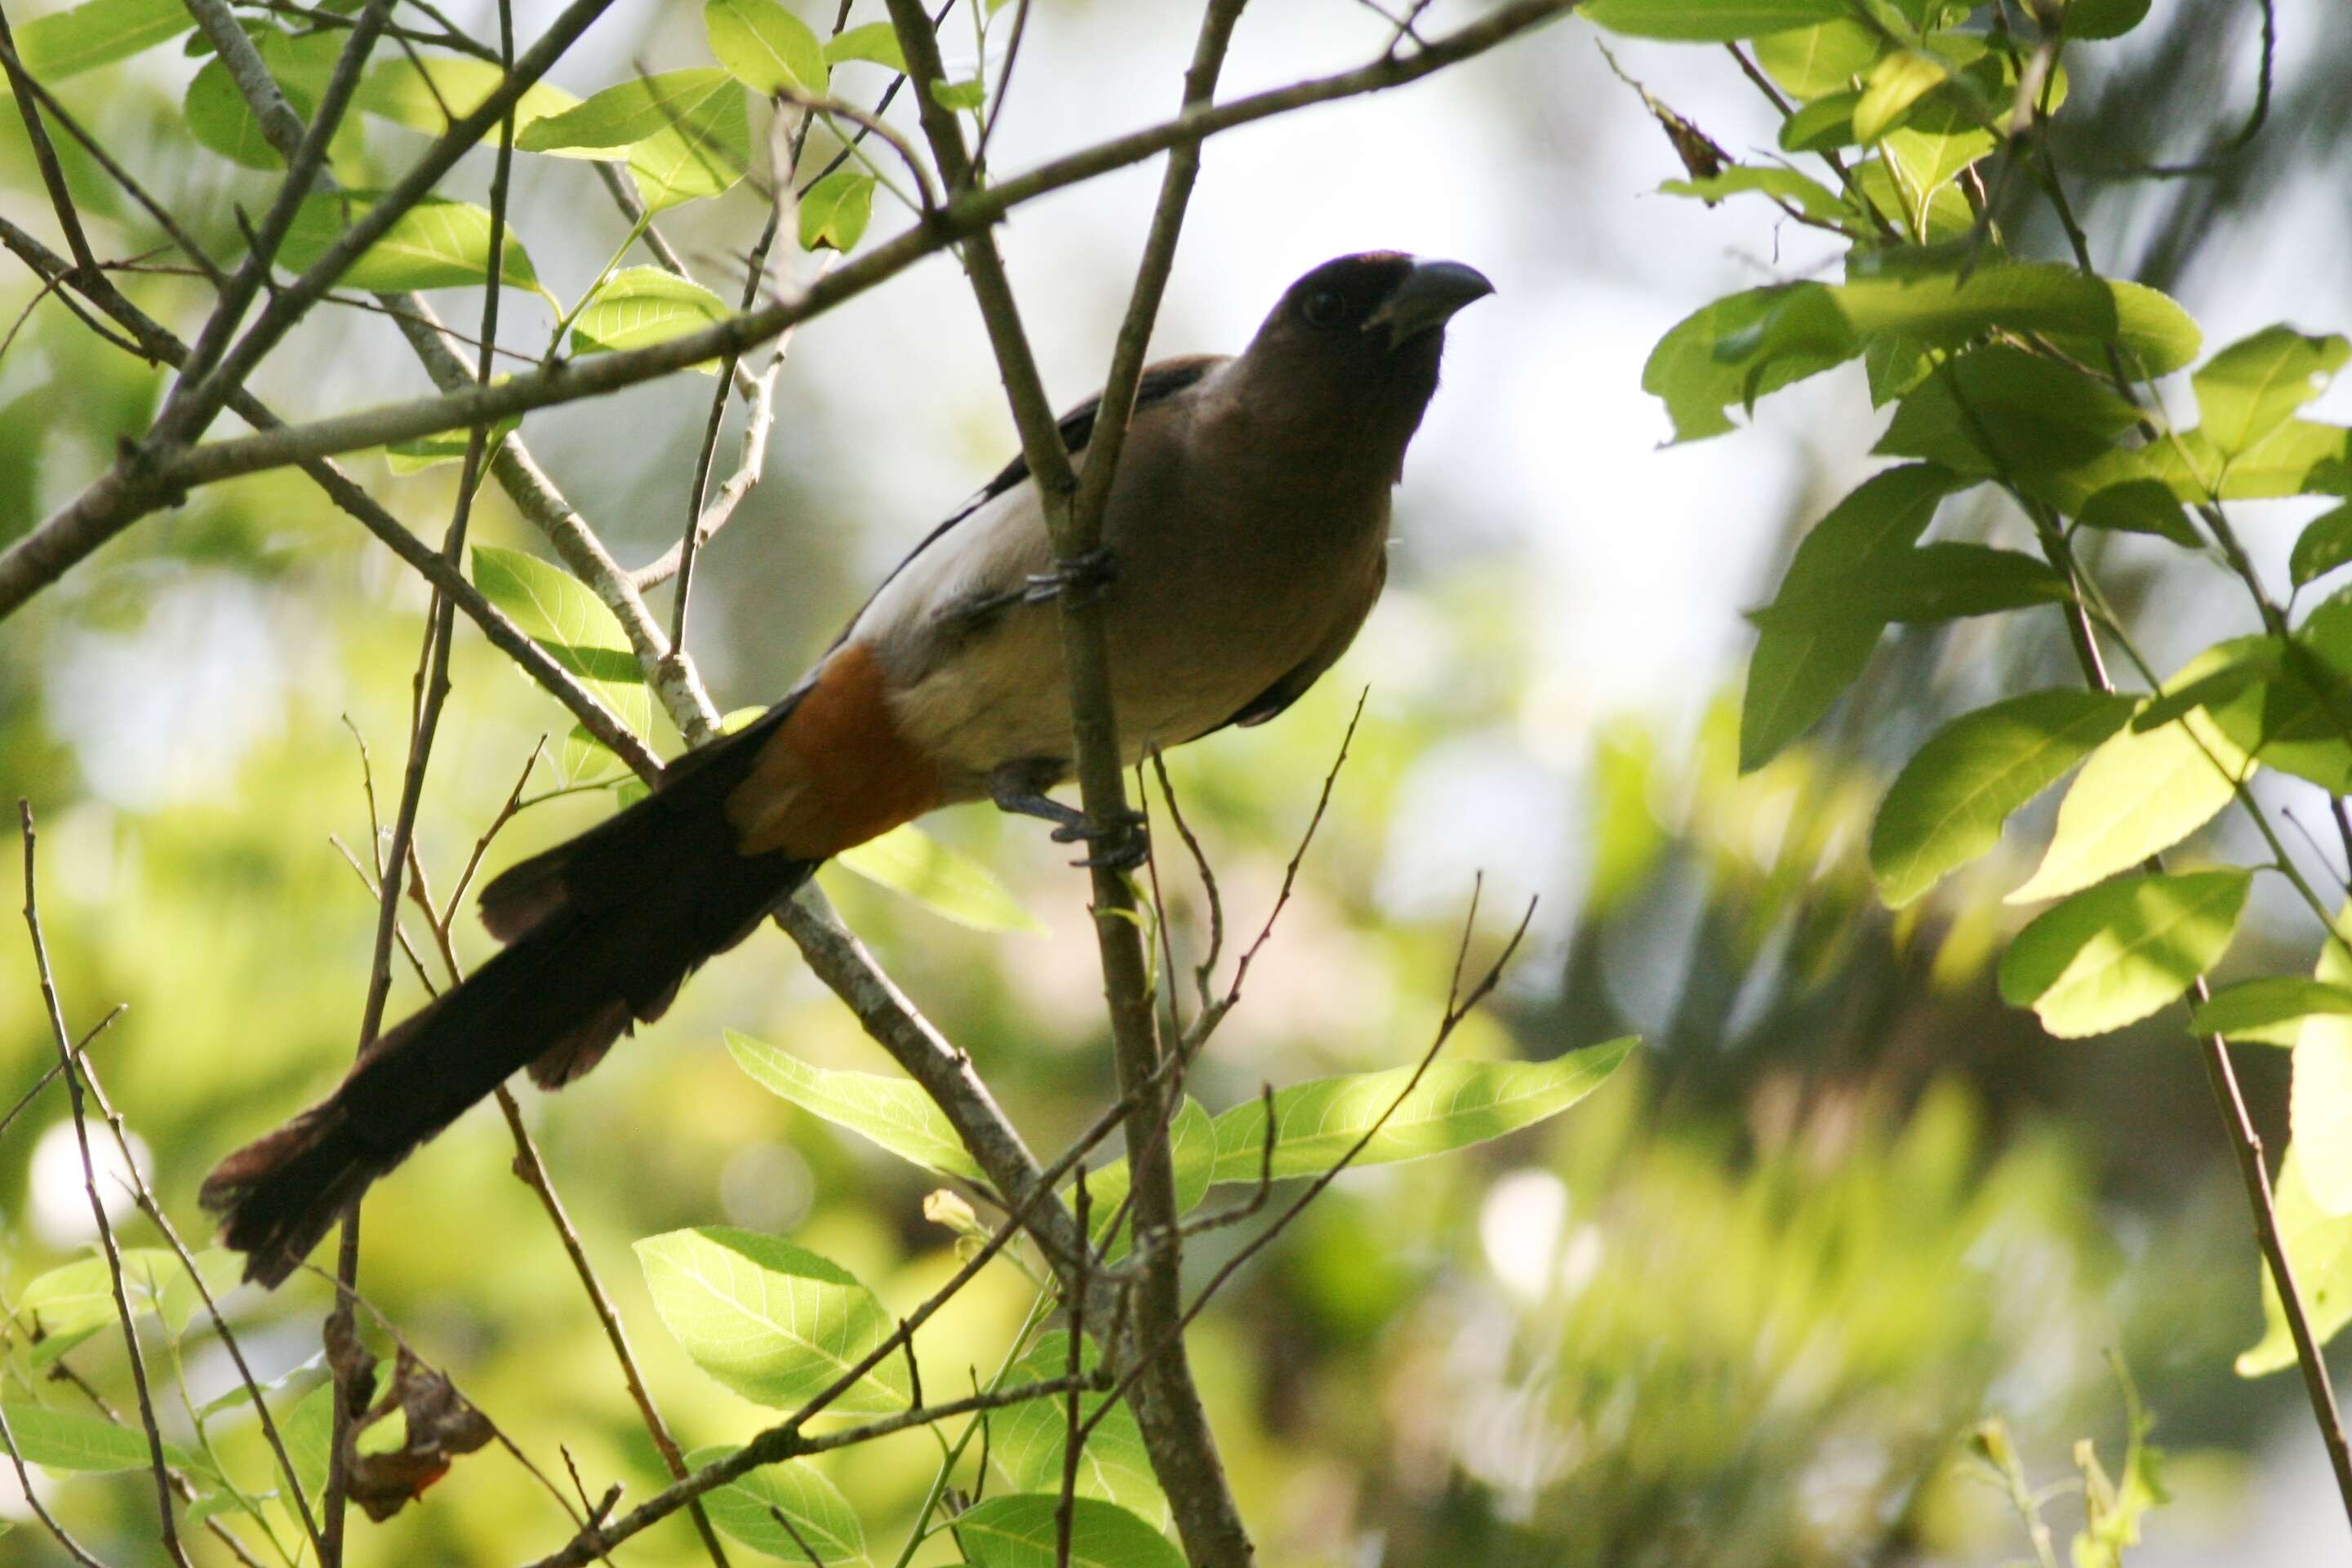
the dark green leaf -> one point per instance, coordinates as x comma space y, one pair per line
834, 213
1708, 21
1799, 670
2270, 1011
2140, 507
827, 1525
773, 1321
1947, 805
1999, 410
2103, 19
2255, 385
765, 46
1821, 125
218, 117
1932, 583
98, 33
2115, 954
424, 451
1021, 1530
1742, 347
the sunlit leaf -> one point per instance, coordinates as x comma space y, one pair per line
308, 1433
560, 613
1708, 21
2319, 1247
2251, 388
685, 133
431, 93
1813, 62
436, 243
1799, 669
1802, 191
876, 42
773, 1321
828, 1526
765, 46
945, 881
1454, 1105
2115, 953
71, 1441
98, 32
639, 306
1742, 347
1947, 805
2325, 544
834, 212
2272, 1010
1895, 83
1019, 1531
2319, 1100
1027, 1442
969, 93
885, 1108
1192, 1155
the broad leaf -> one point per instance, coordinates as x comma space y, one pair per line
1895, 83
1802, 191
1454, 1105
1930, 583
945, 881
67, 1302
560, 613
638, 306
431, 93
773, 1321
684, 133
98, 33
436, 243
2319, 1246
2113, 955
765, 46
308, 1431
422, 452
1742, 347
1021, 1530
1813, 62
1799, 669
71, 1441
828, 1526
967, 94
2255, 385
2319, 1101
2103, 19
1192, 1153
1027, 1440
1708, 21
881, 1107
219, 118
1947, 805
2139, 506
2325, 544
835, 213
1822, 125
874, 42
1999, 410
2140, 792
2272, 1011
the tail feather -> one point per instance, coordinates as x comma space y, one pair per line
601, 932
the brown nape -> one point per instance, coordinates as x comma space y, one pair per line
836, 772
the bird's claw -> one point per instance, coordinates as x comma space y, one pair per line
1122, 845
1095, 570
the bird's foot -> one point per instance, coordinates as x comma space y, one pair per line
1122, 844
1091, 573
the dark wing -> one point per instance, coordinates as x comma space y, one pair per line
1296, 683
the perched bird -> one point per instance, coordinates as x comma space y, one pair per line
1244, 542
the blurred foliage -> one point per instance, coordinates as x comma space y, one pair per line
1754, 1302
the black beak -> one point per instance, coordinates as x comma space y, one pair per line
1427, 298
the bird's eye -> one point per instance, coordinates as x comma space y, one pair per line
1324, 308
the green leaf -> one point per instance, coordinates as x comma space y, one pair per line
2319, 1247
2139, 506
70, 1440
2150, 327
1742, 347
834, 213
2103, 19
1932, 583
436, 243
1947, 805
1019, 1531
638, 306
308, 1431
98, 33
876, 42
423, 451
1895, 83
1999, 410
1708, 21
1940, 216
773, 1321
2271, 1011
1822, 125
68, 1303
1027, 1440
765, 46
216, 112
2319, 1100
685, 133
2139, 793
1192, 1151
558, 612
1798, 670
1807, 194
2255, 385
1454, 1105
431, 93
1813, 62
2115, 954
969, 93
947, 881
2325, 544
881, 1107
798, 1491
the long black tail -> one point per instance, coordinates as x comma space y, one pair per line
600, 932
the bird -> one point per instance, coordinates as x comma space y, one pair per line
1245, 542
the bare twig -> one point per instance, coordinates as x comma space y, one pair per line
113, 1254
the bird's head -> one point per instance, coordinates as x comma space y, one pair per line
1358, 338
